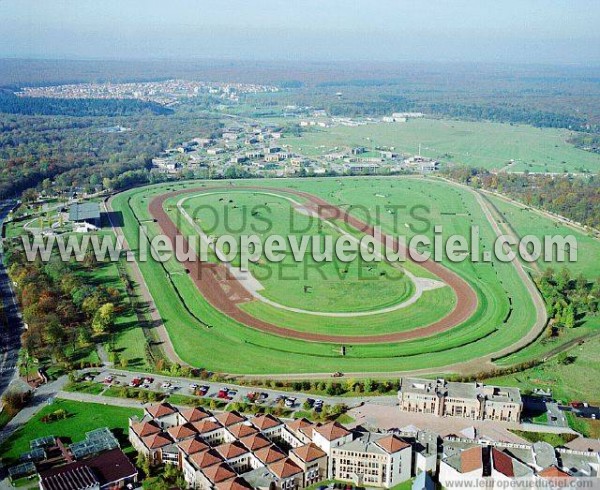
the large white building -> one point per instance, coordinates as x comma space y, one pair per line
467, 400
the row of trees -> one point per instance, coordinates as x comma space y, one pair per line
576, 198
62, 310
333, 388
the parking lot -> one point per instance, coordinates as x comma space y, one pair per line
223, 391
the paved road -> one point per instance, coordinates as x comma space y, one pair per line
10, 334
39, 400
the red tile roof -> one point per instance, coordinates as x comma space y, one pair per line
205, 426
234, 484
553, 472
269, 454
284, 468
471, 459
298, 424
309, 452
231, 450
161, 410
267, 421
392, 444
156, 441
192, 446
502, 463
180, 432
194, 414
255, 442
219, 473
332, 431
206, 458
230, 418
242, 430
143, 429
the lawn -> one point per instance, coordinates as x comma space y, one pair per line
205, 337
83, 417
527, 221
552, 439
480, 144
578, 380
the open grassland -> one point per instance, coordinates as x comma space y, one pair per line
545, 346
577, 378
527, 221
479, 144
80, 418
205, 337
126, 338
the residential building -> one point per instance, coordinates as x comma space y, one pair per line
372, 460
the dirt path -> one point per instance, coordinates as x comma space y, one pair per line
224, 292
136, 273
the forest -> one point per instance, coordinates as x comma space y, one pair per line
75, 152
13, 104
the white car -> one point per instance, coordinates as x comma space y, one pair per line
165, 385
193, 386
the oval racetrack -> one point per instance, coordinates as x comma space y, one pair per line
225, 293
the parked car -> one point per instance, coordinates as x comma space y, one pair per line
193, 386
203, 390
290, 402
165, 385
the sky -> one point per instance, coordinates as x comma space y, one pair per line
517, 31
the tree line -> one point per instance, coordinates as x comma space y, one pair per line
50, 106
574, 197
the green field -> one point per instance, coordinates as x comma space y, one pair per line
207, 338
579, 380
479, 144
527, 221
81, 418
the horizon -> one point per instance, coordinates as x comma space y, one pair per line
466, 31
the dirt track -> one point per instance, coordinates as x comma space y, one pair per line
225, 292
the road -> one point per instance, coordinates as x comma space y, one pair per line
40, 398
10, 333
